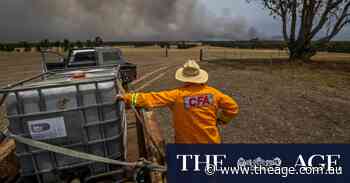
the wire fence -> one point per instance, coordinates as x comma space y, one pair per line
241, 54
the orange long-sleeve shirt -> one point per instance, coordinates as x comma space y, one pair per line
195, 109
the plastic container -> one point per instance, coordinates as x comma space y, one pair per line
77, 114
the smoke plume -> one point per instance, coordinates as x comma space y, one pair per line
122, 20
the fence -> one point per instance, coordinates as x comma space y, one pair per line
241, 54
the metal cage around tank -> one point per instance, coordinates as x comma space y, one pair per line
77, 114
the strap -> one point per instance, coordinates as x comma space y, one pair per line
82, 155
69, 152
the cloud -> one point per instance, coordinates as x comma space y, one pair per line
115, 20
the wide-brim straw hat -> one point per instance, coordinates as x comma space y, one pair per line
191, 73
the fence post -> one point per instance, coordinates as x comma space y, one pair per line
166, 51
201, 54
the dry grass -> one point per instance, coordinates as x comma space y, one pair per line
227, 53
279, 103
17, 66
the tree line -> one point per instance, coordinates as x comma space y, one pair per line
333, 46
66, 44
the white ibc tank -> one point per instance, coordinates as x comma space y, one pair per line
80, 115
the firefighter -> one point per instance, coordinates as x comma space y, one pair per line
197, 108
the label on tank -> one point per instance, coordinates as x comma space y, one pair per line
47, 128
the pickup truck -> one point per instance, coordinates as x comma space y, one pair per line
90, 57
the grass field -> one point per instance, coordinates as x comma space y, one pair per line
280, 102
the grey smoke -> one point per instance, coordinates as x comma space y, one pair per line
116, 20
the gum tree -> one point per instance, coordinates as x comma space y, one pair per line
307, 23
66, 44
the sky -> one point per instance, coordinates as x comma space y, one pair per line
253, 13
256, 15
127, 20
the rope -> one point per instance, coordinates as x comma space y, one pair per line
69, 152
81, 155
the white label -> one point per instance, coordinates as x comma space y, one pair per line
47, 128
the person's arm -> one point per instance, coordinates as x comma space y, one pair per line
151, 100
229, 109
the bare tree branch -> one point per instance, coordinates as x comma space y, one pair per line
324, 18
342, 20
310, 17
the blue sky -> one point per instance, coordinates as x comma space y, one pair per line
255, 15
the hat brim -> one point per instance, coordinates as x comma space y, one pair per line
201, 78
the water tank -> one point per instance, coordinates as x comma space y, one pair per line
79, 114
